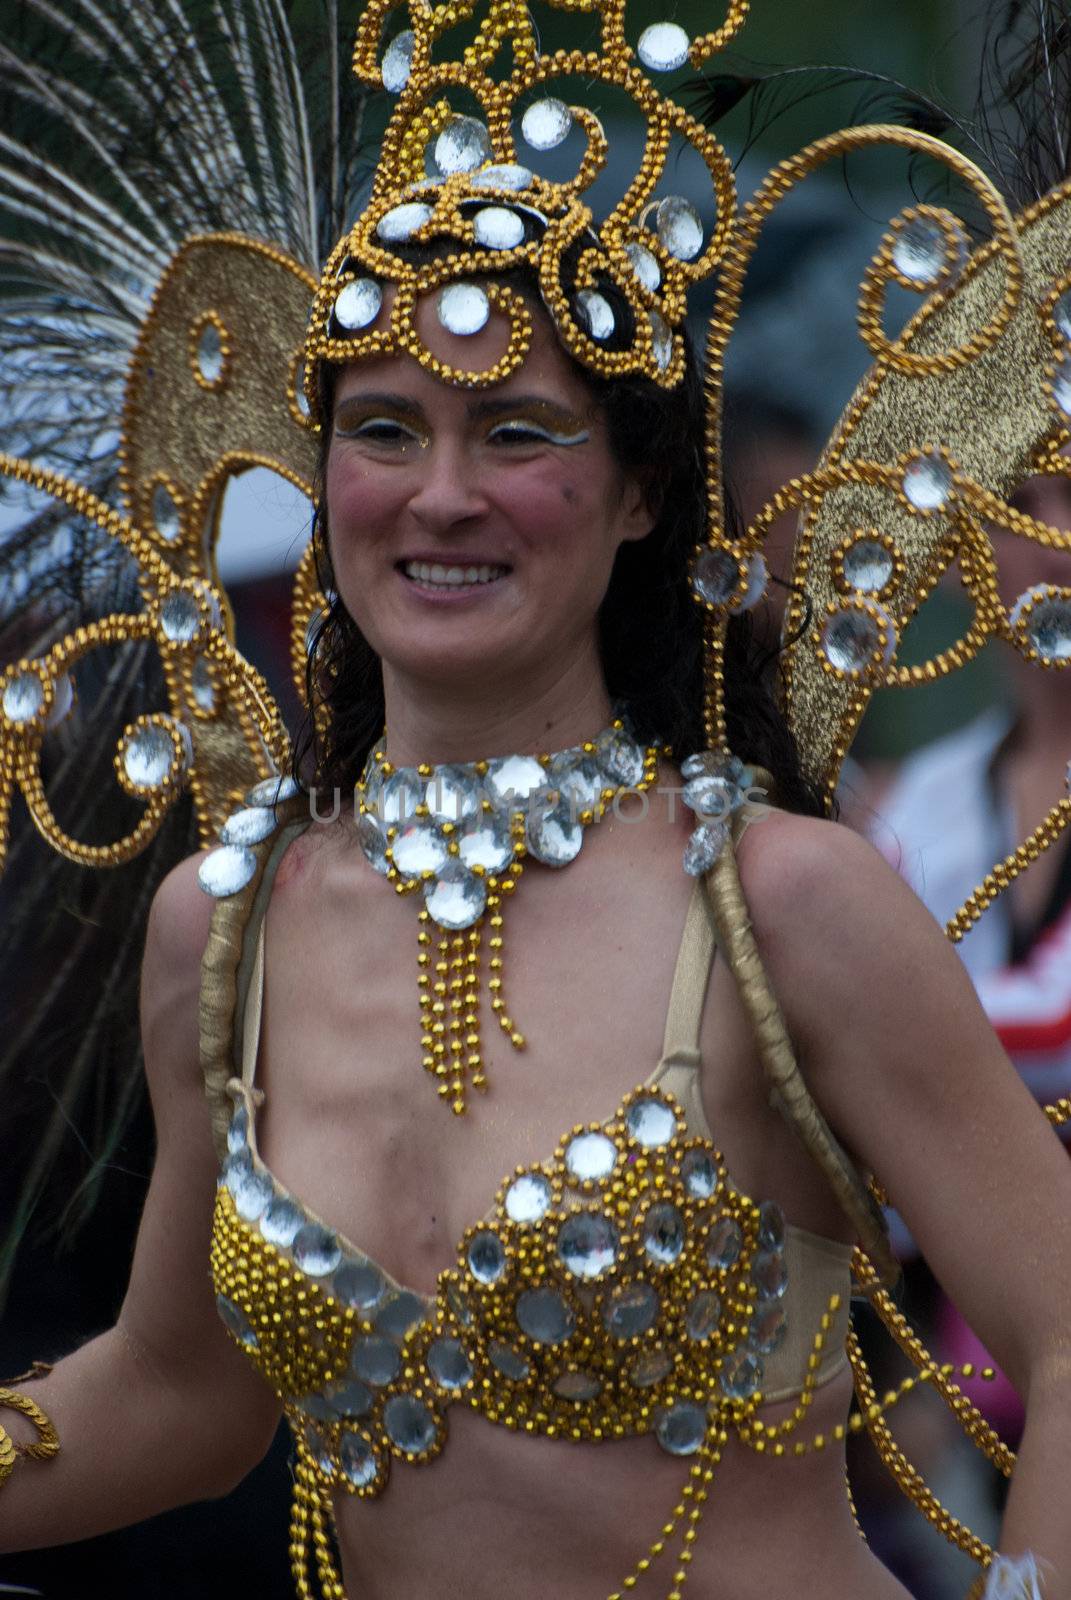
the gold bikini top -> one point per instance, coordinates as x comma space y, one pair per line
623, 1286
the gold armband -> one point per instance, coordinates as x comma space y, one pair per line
47, 1439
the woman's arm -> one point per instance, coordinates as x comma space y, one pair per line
900, 1055
162, 1409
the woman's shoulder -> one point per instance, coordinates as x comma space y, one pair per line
821, 897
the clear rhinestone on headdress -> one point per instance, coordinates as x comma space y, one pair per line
149, 757
927, 481
851, 639
661, 339
663, 47
679, 227
504, 175
919, 251
1047, 625
645, 265
1061, 385
401, 222
867, 565
498, 228
1061, 315
717, 576
24, 695
165, 513
546, 123
180, 617
210, 353
357, 303
463, 308
463, 146
398, 61
597, 313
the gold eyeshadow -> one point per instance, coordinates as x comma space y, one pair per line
558, 424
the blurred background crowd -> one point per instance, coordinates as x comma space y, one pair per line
944, 778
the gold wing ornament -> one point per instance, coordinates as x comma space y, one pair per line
214, 389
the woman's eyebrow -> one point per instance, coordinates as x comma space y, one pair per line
495, 406
375, 397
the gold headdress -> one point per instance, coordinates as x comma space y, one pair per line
454, 186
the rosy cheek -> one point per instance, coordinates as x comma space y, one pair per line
358, 499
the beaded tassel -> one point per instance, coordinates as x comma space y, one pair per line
449, 953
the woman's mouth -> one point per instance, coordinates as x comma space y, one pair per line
436, 575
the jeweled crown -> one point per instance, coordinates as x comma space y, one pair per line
453, 204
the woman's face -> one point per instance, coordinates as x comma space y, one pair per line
473, 531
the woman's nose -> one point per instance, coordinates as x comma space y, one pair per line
448, 491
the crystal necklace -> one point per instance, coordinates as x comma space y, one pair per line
460, 835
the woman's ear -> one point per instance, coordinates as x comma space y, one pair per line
641, 505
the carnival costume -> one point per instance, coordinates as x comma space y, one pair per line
624, 1285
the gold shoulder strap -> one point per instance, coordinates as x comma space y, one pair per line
790, 1091
229, 965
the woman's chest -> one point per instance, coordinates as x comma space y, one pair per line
353, 1121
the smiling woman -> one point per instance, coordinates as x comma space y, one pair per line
605, 1303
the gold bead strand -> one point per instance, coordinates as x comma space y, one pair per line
471, 1015
436, 1013
504, 885
907, 1477
428, 1035
456, 1007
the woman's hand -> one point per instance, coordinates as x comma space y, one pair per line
162, 1409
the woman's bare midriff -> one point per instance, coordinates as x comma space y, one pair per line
500, 1515
352, 1125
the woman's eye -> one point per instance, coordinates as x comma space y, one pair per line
381, 430
520, 433
385, 431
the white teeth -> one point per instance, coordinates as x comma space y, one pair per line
451, 577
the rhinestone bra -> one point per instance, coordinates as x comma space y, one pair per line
624, 1286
